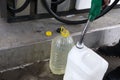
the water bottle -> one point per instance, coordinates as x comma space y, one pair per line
60, 47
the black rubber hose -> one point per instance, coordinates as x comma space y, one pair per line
19, 9
76, 22
107, 9
58, 18
58, 2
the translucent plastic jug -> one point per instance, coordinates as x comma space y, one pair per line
60, 47
84, 64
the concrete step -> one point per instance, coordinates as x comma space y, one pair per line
25, 42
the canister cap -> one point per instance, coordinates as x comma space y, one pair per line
48, 33
64, 32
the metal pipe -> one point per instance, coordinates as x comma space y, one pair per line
83, 34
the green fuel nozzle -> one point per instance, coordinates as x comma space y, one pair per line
96, 6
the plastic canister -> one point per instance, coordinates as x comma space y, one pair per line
84, 64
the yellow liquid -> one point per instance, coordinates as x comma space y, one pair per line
60, 48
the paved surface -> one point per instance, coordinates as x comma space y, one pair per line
25, 33
33, 32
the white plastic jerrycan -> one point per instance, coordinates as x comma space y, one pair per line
85, 64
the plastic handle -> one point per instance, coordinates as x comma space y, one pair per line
96, 6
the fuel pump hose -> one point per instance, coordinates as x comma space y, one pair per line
45, 4
107, 9
59, 18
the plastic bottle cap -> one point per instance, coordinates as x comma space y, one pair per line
48, 33
64, 32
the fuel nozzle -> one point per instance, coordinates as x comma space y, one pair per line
95, 11
96, 7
